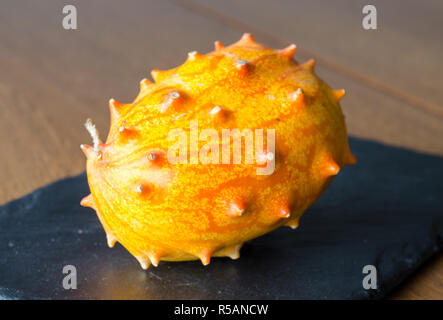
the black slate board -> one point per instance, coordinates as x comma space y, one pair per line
386, 211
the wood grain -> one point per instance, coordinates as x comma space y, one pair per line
427, 282
53, 79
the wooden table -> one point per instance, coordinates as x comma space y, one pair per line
52, 79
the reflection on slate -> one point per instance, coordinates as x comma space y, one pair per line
386, 211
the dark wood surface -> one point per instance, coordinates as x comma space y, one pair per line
52, 79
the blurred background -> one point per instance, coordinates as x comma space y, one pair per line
52, 79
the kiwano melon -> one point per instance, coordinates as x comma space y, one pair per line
204, 206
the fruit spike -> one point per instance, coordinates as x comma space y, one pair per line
288, 51
293, 224
145, 83
310, 64
284, 212
88, 202
218, 45
139, 189
236, 208
247, 38
126, 133
144, 262
114, 109
193, 55
332, 168
242, 65
111, 240
297, 96
205, 256
350, 159
88, 150
233, 252
161, 210
154, 258
215, 110
339, 94
147, 259
171, 99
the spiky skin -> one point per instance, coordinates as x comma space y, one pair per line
176, 212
